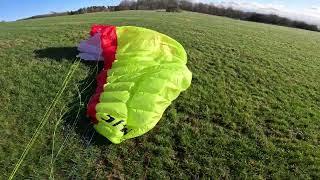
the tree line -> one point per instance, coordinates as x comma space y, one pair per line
90, 9
84, 10
214, 10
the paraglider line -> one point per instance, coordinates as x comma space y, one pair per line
45, 118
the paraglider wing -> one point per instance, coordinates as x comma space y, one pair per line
144, 71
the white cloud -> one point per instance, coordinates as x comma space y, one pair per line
309, 15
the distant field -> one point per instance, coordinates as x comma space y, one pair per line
253, 110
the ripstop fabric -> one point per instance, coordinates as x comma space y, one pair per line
144, 71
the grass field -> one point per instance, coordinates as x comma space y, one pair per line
253, 110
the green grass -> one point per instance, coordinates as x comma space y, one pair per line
253, 110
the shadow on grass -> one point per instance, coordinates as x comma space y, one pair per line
76, 116
57, 53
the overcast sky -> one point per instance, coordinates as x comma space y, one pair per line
306, 10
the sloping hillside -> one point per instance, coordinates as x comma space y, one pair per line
253, 109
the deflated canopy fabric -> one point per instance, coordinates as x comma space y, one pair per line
144, 71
